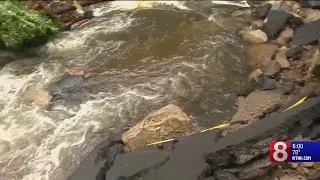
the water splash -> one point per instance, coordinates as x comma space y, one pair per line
242, 3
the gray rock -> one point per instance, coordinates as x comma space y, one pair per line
276, 21
136, 162
65, 83
262, 11
306, 34
268, 83
99, 160
195, 166
294, 52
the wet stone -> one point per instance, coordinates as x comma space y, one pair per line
134, 163
266, 83
66, 82
306, 34
276, 21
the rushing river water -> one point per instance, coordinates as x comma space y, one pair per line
182, 53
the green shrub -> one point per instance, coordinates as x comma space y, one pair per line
20, 27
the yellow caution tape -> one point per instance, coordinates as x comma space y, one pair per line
228, 124
297, 103
159, 142
215, 127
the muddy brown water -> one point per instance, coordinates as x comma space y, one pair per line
143, 59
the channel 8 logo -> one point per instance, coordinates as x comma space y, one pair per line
279, 151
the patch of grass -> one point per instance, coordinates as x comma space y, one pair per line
20, 27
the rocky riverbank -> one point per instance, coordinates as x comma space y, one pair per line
64, 13
283, 39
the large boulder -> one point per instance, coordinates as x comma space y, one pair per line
41, 98
306, 34
276, 21
255, 36
166, 123
261, 54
